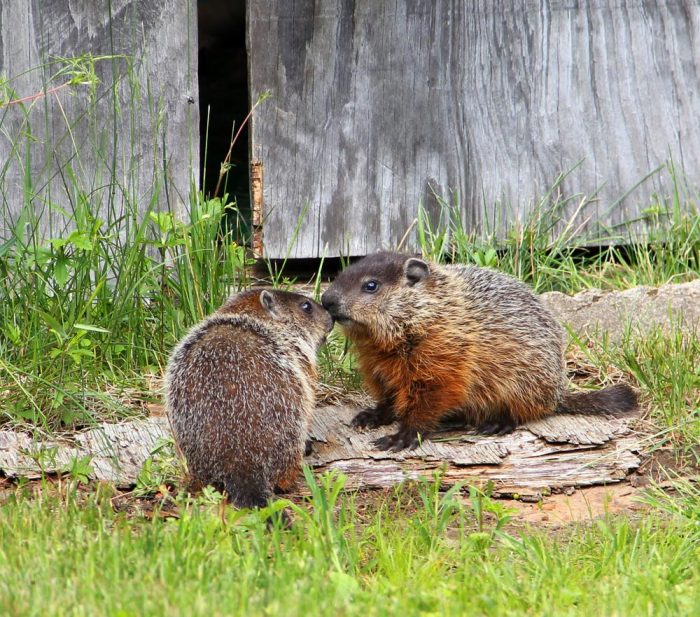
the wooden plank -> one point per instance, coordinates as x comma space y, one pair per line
376, 106
134, 138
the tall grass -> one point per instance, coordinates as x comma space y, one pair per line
99, 294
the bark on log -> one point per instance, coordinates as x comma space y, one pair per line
557, 453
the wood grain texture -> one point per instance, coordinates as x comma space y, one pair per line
117, 451
562, 451
143, 126
378, 106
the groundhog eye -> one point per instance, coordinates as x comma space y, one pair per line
370, 286
307, 307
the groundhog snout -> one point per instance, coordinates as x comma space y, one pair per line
331, 302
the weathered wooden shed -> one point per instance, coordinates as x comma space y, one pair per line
375, 108
378, 107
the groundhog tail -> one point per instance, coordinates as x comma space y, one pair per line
251, 496
616, 400
255, 496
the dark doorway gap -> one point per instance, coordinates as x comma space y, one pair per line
223, 98
305, 270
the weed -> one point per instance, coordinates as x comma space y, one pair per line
439, 510
680, 497
665, 365
162, 469
481, 503
79, 469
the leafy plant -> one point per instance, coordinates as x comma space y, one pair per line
79, 469
162, 469
482, 502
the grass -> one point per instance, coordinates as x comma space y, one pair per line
547, 249
417, 551
666, 369
94, 302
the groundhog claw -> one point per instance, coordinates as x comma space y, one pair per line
397, 441
371, 418
496, 428
364, 419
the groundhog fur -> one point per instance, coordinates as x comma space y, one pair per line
439, 340
240, 389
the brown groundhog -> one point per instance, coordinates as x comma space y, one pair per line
434, 340
240, 389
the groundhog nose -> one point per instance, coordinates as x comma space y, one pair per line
329, 301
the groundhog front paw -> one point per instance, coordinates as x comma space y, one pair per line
405, 438
372, 418
308, 447
496, 428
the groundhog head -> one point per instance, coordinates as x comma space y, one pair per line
302, 314
378, 296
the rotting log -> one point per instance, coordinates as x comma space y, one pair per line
640, 310
557, 453
560, 452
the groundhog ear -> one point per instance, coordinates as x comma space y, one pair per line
416, 270
267, 300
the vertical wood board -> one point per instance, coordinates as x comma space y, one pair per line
378, 107
130, 142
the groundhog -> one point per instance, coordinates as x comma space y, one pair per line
240, 389
435, 340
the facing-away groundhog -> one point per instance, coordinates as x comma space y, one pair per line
435, 340
240, 389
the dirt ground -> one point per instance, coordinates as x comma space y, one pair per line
626, 497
